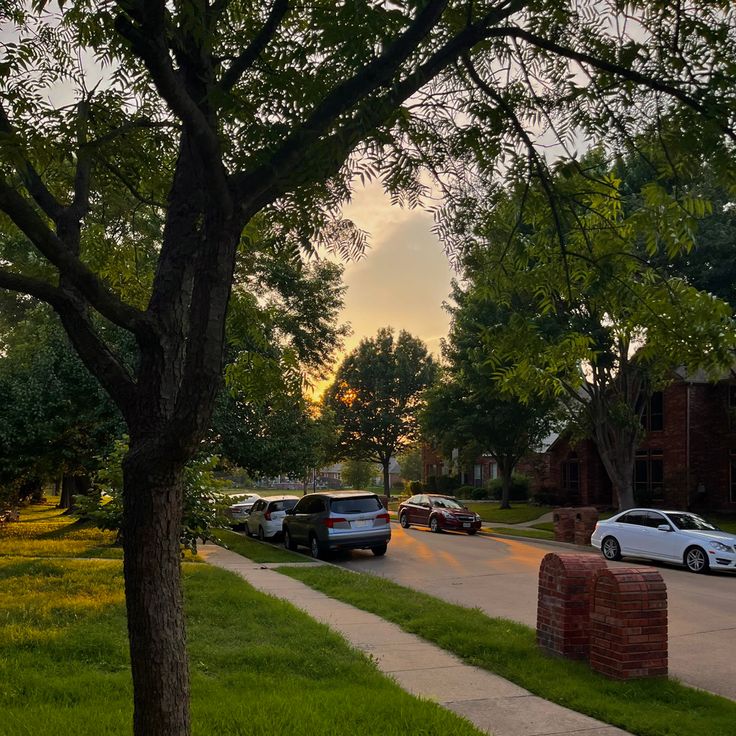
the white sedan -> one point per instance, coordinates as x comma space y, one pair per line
671, 536
267, 516
238, 512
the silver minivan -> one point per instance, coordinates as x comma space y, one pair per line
335, 520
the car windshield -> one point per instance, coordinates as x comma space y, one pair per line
358, 505
691, 522
283, 505
446, 503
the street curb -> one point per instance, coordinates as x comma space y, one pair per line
549, 542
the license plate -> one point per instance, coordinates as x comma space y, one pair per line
361, 522
466, 524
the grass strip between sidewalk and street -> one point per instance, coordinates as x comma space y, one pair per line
520, 532
256, 551
519, 513
650, 707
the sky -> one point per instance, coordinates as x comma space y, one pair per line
403, 279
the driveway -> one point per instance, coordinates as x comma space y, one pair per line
499, 576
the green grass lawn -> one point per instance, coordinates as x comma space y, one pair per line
518, 513
521, 532
258, 665
655, 707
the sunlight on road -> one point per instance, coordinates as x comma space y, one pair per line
518, 553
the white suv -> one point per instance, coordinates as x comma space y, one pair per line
267, 516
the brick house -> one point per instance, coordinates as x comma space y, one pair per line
686, 460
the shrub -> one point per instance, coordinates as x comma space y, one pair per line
547, 497
447, 484
412, 487
519, 490
465, 492
431, 484
479, 494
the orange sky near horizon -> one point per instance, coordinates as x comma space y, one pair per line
404, 277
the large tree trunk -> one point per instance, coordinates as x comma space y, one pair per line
506, 469
152, 510
386, 477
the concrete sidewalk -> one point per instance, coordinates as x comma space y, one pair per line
494, 705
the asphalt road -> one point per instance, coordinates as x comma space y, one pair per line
499, 576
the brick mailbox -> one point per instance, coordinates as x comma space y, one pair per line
585, 520
628, 623
563, 609
564, 524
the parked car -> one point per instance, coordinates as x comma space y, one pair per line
334, 520
238, 512
670, 536
267, 516
438, 513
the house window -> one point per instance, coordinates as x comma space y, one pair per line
477, 475
648, 475
571, 475
492, 470
653, 416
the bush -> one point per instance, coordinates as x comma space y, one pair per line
431, 484
479, 494
465, 492
547, 497
412, 487
519, 490
447, 484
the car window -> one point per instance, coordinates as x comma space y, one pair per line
423, 500
634, 517
446, 503
654, 519
692, 522
359, 505
283, 505
413, 499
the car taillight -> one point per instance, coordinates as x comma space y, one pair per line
267, 516
383, 517
336, 523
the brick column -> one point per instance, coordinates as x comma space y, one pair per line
628, 621
585, 520
563, 609
564, 524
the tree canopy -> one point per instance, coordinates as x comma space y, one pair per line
376, 396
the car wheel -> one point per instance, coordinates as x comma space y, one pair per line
696, 560
289, 542
434, 525
380, 550
261, 534
317, 550
472, 531
611, 549
404, 521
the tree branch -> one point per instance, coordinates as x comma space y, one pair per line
254, 49
620, 71
35, 229
95, 354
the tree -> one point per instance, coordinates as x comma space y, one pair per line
357, 473
591, 321
55, 419
376, 395
201, 122
410, 462
468, 410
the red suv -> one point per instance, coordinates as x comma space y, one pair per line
438, 513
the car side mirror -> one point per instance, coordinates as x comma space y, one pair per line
290, 512
664, 528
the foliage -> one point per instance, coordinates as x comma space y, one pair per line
591, 322
518, 489
410, 463
413, 487
357, 474
376, 395
200, 515
54, 418
465, 492
479, 494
